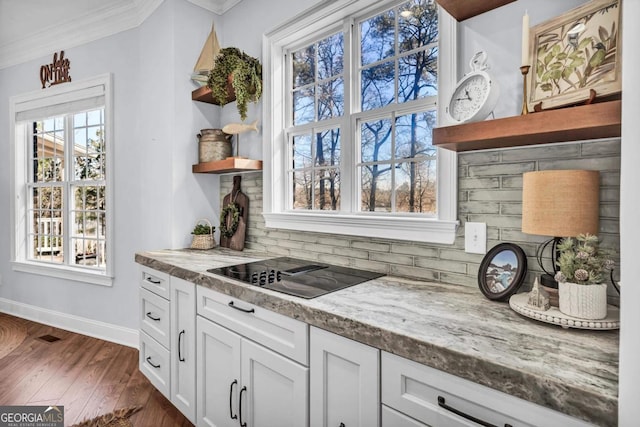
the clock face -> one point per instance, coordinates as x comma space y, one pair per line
469, 97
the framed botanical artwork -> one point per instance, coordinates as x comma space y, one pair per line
575, 53
502, 271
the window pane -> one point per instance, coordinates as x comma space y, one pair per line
413, 135
327, 189
303, 106
330, 56
416, 187
302, 156
418, 73
376, 188
302, 190
89, 167
330, 99
47, 238
86, 251
378, 86
377, 37
303, 62
94, 117
328, 148
417, 24
375, 140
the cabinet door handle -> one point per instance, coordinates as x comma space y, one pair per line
154, 281
231, 414
242, 424
180, 358
244, 310
442, 404
151, 363
157, 319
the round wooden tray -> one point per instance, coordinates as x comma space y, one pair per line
518, 303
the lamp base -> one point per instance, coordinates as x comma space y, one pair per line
548, 281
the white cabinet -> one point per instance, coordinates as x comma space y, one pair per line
242, 382
344, 381
436, 398
155, 338
274, 390
183, 346
168, 337
218, 383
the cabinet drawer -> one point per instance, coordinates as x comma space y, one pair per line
154, 364
155, 281
415, 390
282, 334
154, 316
392, 418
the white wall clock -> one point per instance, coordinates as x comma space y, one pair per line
475, 95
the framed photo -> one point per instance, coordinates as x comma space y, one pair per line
502, 271
575, 53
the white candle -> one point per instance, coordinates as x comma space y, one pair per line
525, 39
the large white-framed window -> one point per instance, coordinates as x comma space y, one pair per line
351, 97
62, 151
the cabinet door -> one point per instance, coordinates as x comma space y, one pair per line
218, 375
183, 347
344, 382
274, 389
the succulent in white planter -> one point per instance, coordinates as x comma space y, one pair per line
582, 267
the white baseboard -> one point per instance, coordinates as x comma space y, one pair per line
93, 328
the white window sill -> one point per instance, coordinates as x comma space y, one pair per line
397, 228
63, 272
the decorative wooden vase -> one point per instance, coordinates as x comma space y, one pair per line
583, 301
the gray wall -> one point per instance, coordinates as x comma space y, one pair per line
490, 191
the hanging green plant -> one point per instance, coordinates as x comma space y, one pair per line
243, 72
233, 210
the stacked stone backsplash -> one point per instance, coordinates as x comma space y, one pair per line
489, 191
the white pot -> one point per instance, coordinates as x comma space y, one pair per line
583, 301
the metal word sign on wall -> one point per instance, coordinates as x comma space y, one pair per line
56, 72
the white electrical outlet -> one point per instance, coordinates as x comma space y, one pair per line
475, 237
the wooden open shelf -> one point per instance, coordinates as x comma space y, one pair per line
203, 94
465, 9
228, 165
600, 120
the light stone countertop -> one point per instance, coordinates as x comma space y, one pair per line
448, 327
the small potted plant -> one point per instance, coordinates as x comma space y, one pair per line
583, 265
236, 71
203, 235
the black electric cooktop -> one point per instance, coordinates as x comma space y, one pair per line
296, 277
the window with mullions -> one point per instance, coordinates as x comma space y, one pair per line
66, 211
396, 70
349, 110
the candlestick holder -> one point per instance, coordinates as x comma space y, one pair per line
524, 70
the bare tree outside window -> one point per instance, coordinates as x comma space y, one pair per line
397, 159
394, 77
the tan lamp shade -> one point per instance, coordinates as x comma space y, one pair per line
561, 203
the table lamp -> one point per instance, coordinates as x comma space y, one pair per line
559, 203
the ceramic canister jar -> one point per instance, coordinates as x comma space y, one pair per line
213, 144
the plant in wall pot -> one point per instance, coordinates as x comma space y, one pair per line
235, 71
582, 266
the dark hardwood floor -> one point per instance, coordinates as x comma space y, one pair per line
88, 376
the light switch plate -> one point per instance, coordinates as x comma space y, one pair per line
475, 237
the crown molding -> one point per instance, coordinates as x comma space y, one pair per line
216, 6
99, 23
